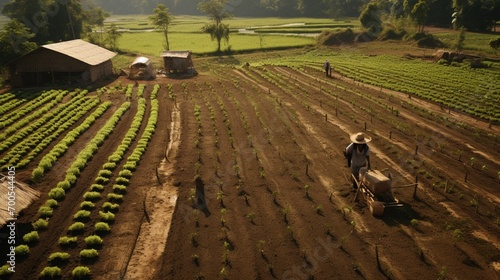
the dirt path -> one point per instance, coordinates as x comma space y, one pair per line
159, 204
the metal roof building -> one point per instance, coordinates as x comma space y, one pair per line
65, 62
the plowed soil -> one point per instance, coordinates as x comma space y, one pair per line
245, 178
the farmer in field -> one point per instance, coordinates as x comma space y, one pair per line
327, 68
358, 154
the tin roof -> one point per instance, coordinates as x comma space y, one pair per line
141, 60
178, 54
81, 50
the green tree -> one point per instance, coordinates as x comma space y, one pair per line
162, 20
217, 11
49, 20
459, 44
15, 41
95, 18
113, 36
370, 18
419, 15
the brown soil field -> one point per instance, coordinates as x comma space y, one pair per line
244, 178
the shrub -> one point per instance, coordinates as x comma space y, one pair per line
337, 37
92, 196
81, 215
58, 256
87, 205
89, 253
76, 226
37, 173
80, 272
65, 185
109, 166
4, 270
101, 180
102, 227
31, 237
66, 240
96, 188
93, 241
105, 173
122, 181
110, 207
50, 272
130, 165
125, 173
40, 224
52, 203
107, 216
22, 250
495, 44
120, 189
389, 33
57, 194
71, 178
115, 197
45, 211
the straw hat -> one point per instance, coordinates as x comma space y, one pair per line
360, 138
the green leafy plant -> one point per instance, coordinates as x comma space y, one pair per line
52, 203
115, 197
102, 227
45, 211
40, 224
66, 240
110, 207
81, 272
57, 194
106, 216
92, 196
22, 250
31, 237
50, 272
76, 226
58, 256
81, 215
89, 253
93, 241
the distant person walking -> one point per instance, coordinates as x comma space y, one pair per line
327, 68
358, 154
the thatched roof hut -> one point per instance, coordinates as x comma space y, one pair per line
178, 62
23, 198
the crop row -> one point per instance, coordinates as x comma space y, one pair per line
12, 103
52, 96
62, 146
114, 198
109, 208
24, 130
39, 140
474, 91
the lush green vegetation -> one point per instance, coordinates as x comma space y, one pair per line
474, 91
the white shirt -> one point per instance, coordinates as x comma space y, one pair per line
358, 158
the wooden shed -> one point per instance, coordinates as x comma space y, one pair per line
178, 62
24, 196
62, 63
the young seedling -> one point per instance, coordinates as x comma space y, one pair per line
306, 189
196, 214
319, 210
196, 259
194, 240
222, 214
220, 198
251, 216
472, 161
260, 245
